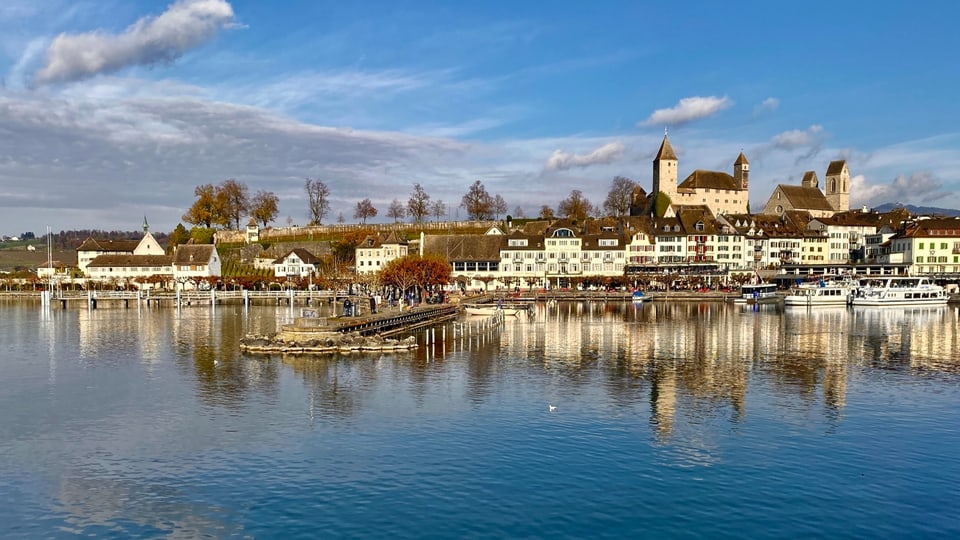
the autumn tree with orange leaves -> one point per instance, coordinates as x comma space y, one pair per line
416, 273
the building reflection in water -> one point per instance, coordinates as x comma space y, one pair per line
679, 362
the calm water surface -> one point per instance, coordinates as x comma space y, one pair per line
671, 420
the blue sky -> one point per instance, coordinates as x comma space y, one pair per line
110, 111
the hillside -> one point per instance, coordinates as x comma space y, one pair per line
920, 210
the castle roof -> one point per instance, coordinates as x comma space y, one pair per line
741, 160
666, 151
709, 180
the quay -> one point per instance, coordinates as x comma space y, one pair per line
148, 298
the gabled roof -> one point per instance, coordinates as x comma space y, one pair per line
109, 246
464, 247
126, 260
836, 167
709, 179
805, 198
302, 254
666, 151
193, 253
690, 215
380, 239
924, 228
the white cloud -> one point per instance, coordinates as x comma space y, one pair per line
688, 109
768, 105
151, 40
918, 187
560, 160
798, 138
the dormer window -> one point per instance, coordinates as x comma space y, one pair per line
699, 226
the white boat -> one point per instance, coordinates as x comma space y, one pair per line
821, 293
763, 293
899, 291
488, 310
639, 296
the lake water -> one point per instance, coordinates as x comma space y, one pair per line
679, 420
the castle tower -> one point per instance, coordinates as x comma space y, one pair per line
741, 172
665, 170
838, 186
810, 180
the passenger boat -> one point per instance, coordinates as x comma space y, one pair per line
763, 293
821, 293
899, 291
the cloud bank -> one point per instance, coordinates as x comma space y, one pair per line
151, 40
561, 160
919, 186
687, 110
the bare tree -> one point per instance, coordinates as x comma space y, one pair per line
618, 198
499, 206
396, 210
575, 206
364, 211
318, 199
546, 212
438, 209
518, 213
477, 202
418, 206
340, 218
263, 207
234, 202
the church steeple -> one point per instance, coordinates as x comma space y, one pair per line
146, 226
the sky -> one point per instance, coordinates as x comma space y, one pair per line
112, 111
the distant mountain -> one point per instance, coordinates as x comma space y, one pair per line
920, 210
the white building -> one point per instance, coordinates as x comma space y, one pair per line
297, 262
193, 263
375, 251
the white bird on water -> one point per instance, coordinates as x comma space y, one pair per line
553, 408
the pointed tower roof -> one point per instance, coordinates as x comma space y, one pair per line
836, 167
741, 160
146, 226
666, 151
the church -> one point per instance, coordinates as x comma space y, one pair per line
807, 196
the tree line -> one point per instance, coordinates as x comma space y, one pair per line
227, 204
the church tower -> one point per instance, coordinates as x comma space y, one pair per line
838, 186
741, 172
665, 171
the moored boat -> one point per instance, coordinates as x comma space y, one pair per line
899, 291
762, 293
639, 296
821, 293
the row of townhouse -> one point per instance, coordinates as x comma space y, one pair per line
690, 238
928, 245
